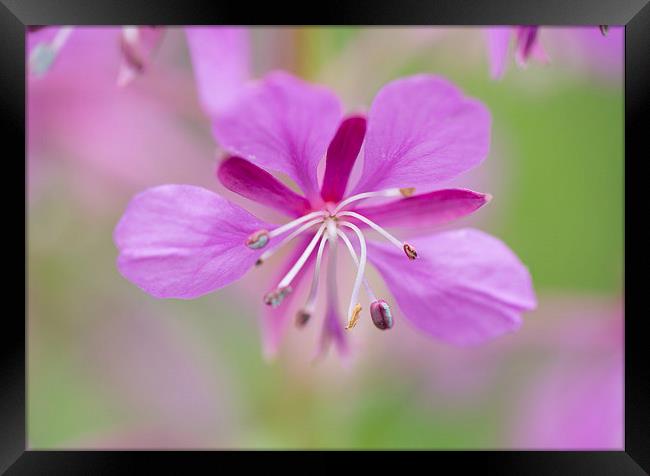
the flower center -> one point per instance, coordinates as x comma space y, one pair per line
333, 222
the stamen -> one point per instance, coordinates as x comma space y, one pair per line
267, 254
411, 253
131, 50
305, 313
286, 281
354, 317
275, 298
353, 253
298, 221
44, 54
603, 29
302, 317
352, 308
258, 239
391, 192
407, 192
381, 315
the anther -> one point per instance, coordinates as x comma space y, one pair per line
354, 317
275, 298
407, 192
302, 317
44, 54
410, 251
257, 240
381, 315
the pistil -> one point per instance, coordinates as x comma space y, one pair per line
354, 308
353, 253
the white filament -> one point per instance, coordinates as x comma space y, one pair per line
268, 253
313, 291
391, 192
353, 253
286, 281
376, 227
298, 221
362, 267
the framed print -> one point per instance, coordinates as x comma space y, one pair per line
374, 231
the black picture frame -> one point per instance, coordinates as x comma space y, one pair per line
15, 15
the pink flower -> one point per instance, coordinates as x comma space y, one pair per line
220, 56
527, 45
462, 286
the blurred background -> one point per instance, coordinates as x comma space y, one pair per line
111, 367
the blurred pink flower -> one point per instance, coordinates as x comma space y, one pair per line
161, 390
462, 286
587, 50
576, 400
527, 45
221, 56
575, 407
596, 48
105, 141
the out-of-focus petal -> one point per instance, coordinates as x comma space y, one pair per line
498, 40
221, 58
182, 241
137, 45
422, 131
275, 320
465, 286
433, 208
281, 123
341, 155
527, 39
333, 333
250, 181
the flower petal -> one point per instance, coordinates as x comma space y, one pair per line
181, 241
341, 155
526, 39
433, 208
333, 332
275, 320
422, 131
498, 40
254, 183
283, 124
137, 45
465, 287
221, 58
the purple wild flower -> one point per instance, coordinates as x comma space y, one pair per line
527, 45
461, 286
220, 56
